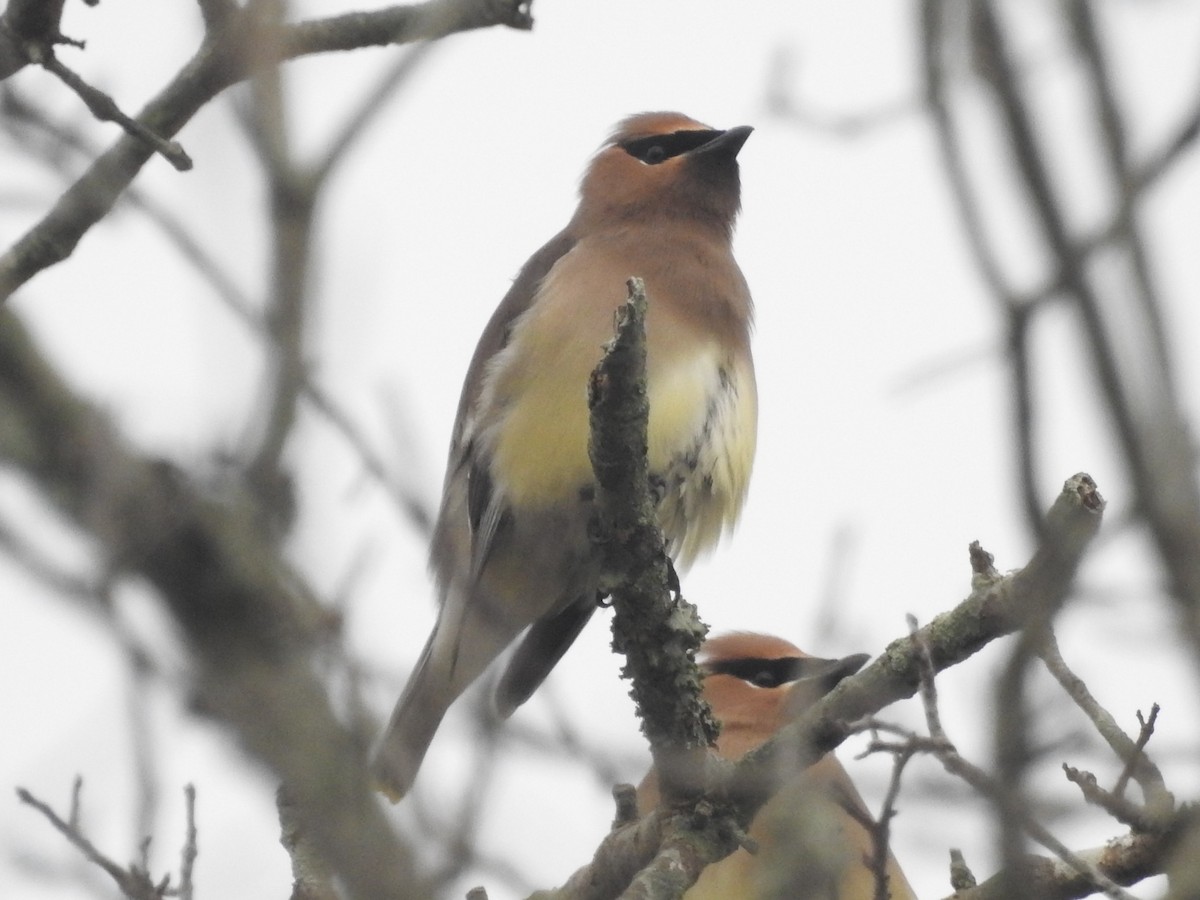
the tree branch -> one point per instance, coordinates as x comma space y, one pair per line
997, 605
659, 635
25, 23
1158, 799
248, 627
1153, 435
223, 60
1125, 860
134, 880
17, 111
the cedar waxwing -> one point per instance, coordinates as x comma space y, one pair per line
809, 847
510, 549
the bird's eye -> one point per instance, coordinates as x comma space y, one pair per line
765, 678
650, 150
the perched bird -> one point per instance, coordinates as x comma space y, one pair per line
810, 848
510, 549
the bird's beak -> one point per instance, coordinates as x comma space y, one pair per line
727, 143
830, 675
821, 677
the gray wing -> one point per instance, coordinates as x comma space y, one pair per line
470, 517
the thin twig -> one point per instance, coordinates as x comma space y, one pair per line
104, 108
215, 66
133, 882
249, 629
293, 200
191, 846
1016, 308
1081, 20
144, 758
1124, 811
1154, 438
995, 791
45, 570
941, 746
880, 828
1024, 419
226, 290
1137, 759
1137, 763
928, 674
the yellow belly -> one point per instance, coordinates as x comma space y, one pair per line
533, 410
540, 455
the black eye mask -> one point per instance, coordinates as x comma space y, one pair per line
765, 673
773, 673
660, 147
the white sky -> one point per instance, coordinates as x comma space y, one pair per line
862, 283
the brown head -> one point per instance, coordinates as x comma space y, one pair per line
663, 165
757, 683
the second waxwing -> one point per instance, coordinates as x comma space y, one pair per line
810, 847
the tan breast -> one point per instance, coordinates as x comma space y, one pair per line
533, 414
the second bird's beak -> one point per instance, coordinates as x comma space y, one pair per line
823, 677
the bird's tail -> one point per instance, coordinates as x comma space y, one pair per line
473, 629
414, 722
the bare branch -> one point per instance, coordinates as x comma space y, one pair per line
248, 627
45, 570
411, 507
880, 829
1153, 435
1020, 873
144, 760
216, 13
219, 63
998, 605
1121, 809
658, 634
190, 845
293, 200
1013, 815
25, 24
961, 876
311, 877
1125, 860
1087, 39
404, 25
1137, 763
1017, 309
104, 108
934, 45
134, 881
1137, 757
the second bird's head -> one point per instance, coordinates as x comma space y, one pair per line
761, 682
664, 165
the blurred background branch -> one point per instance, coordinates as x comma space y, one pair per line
223, 60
